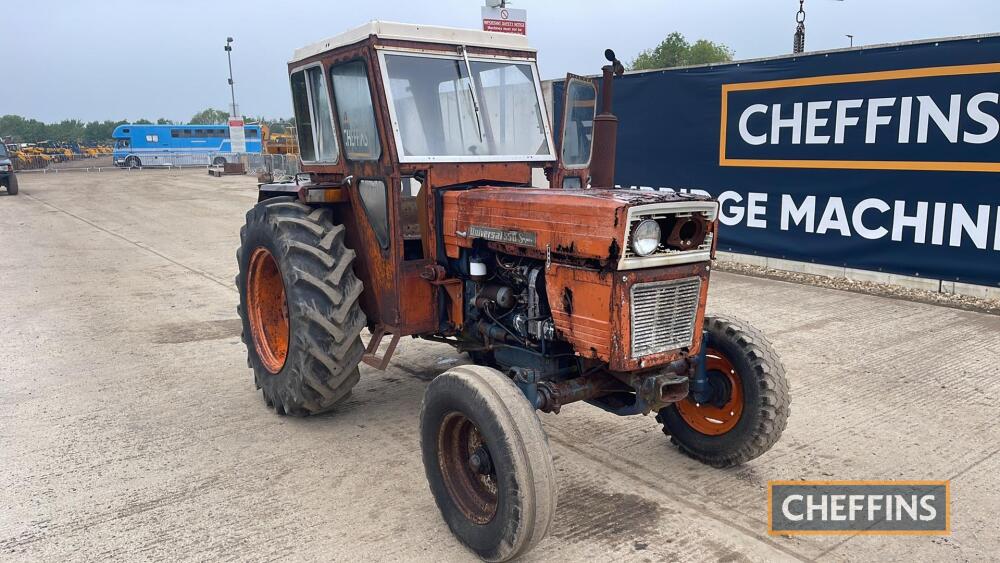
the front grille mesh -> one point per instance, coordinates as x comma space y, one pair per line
663, 315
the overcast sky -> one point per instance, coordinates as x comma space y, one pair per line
112, 59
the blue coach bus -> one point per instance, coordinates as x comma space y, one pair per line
178, 145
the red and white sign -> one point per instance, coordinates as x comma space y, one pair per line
237, 135
505, 20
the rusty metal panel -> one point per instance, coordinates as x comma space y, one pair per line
418, 306
592, 311
580, 300
621, 358
583, 224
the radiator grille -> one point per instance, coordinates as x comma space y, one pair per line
663, 315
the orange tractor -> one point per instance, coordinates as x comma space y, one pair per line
415, 216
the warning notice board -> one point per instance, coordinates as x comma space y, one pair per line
505, 20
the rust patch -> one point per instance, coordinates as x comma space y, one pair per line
571, 249
614, 251
567, 300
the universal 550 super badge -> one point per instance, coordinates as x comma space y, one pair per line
940, 119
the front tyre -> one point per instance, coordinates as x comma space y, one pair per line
749, 401
218, 161
12, 185
299, 305
133, 162
487, 462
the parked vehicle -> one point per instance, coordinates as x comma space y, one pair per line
417, 218
8, 179
178, 145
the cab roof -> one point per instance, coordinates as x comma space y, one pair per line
416, 32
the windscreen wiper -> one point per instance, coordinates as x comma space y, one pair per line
472, 90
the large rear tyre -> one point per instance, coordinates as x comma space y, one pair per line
299, 306
749, 403
487, 462
12, 185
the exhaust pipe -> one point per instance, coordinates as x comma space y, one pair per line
602, 166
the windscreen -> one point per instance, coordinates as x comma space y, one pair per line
441, 111
3, 149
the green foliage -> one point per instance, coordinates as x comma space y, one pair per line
210, 116
23, 130
676, 51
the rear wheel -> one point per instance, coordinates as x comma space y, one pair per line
218, 161
747, 407
299, 306
487, 462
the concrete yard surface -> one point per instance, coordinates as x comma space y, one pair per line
130, 428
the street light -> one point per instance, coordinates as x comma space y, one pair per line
232, 88
851, 37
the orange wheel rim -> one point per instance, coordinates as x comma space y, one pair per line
267, 310
715, 419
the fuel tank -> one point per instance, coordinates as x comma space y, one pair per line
582, 224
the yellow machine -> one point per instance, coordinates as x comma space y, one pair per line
279, 143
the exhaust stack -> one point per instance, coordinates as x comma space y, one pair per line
602, 167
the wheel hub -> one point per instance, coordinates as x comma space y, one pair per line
467, 468
480, 461
722, 410
267, 310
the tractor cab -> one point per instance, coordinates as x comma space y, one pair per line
388, 115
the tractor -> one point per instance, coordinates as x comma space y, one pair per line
415, 215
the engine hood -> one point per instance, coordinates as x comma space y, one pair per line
583, 224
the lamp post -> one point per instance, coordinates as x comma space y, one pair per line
851, 37
232, 88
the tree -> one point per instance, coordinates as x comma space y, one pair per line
164, 121
676, 51
210, 116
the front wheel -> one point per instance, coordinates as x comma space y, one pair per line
12, 185
218, 161
748, 404
133, 162
487, 462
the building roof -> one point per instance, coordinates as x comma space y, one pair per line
416, 32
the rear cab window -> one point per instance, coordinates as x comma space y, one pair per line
313, 116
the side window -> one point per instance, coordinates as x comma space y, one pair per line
303, 121
376, 203
311, 104
578, 123
355, 112
175, 133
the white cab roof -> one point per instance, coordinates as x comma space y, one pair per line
415, 32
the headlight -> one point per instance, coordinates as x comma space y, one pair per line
646, 237
4, 167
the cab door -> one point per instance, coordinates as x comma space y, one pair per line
368, 177
576, 139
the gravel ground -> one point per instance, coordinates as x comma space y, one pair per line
964, 302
